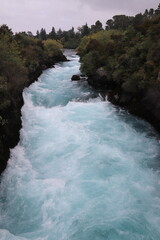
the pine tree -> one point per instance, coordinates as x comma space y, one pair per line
157, 11
52, 34
37, 34
43, 34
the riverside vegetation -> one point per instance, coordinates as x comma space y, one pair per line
22, 59
23, 56
123, 59
124, 62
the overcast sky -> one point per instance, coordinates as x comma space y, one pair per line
30, 15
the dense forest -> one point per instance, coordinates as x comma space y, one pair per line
123, 59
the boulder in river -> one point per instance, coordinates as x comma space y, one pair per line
75, 78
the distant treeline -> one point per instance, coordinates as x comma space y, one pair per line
72, 37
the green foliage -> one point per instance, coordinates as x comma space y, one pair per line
96, 27
71, 38
120, 22
135, 82
52, 34
43, 34
129, 51
4, 100
12, 69
97, 40
90, 63
38, 54
52, 50
71, 43
22, 58
82, 46
84, 30
52, 46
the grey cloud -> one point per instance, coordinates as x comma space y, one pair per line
24, 15
130, 5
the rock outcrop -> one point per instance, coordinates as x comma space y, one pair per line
151, 104
75, 78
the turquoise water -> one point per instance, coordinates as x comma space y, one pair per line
83, 169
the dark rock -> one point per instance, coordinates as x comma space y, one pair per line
75, 78
125, 98
101, 82
113, 97
151, 104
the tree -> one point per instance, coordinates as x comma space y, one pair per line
43, 34
11, 65
146, 13
71, 33
157, 11
30, 34
59, 33
37, 34
151, 12
137, 20
109, 24
98, 26
85, 30
4, 29
121, 22
52, 34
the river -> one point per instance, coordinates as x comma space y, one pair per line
83, 169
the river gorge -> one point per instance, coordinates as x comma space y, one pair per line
83, 168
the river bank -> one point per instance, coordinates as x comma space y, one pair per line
10, 129
145, 104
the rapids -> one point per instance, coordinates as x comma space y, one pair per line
83, 169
